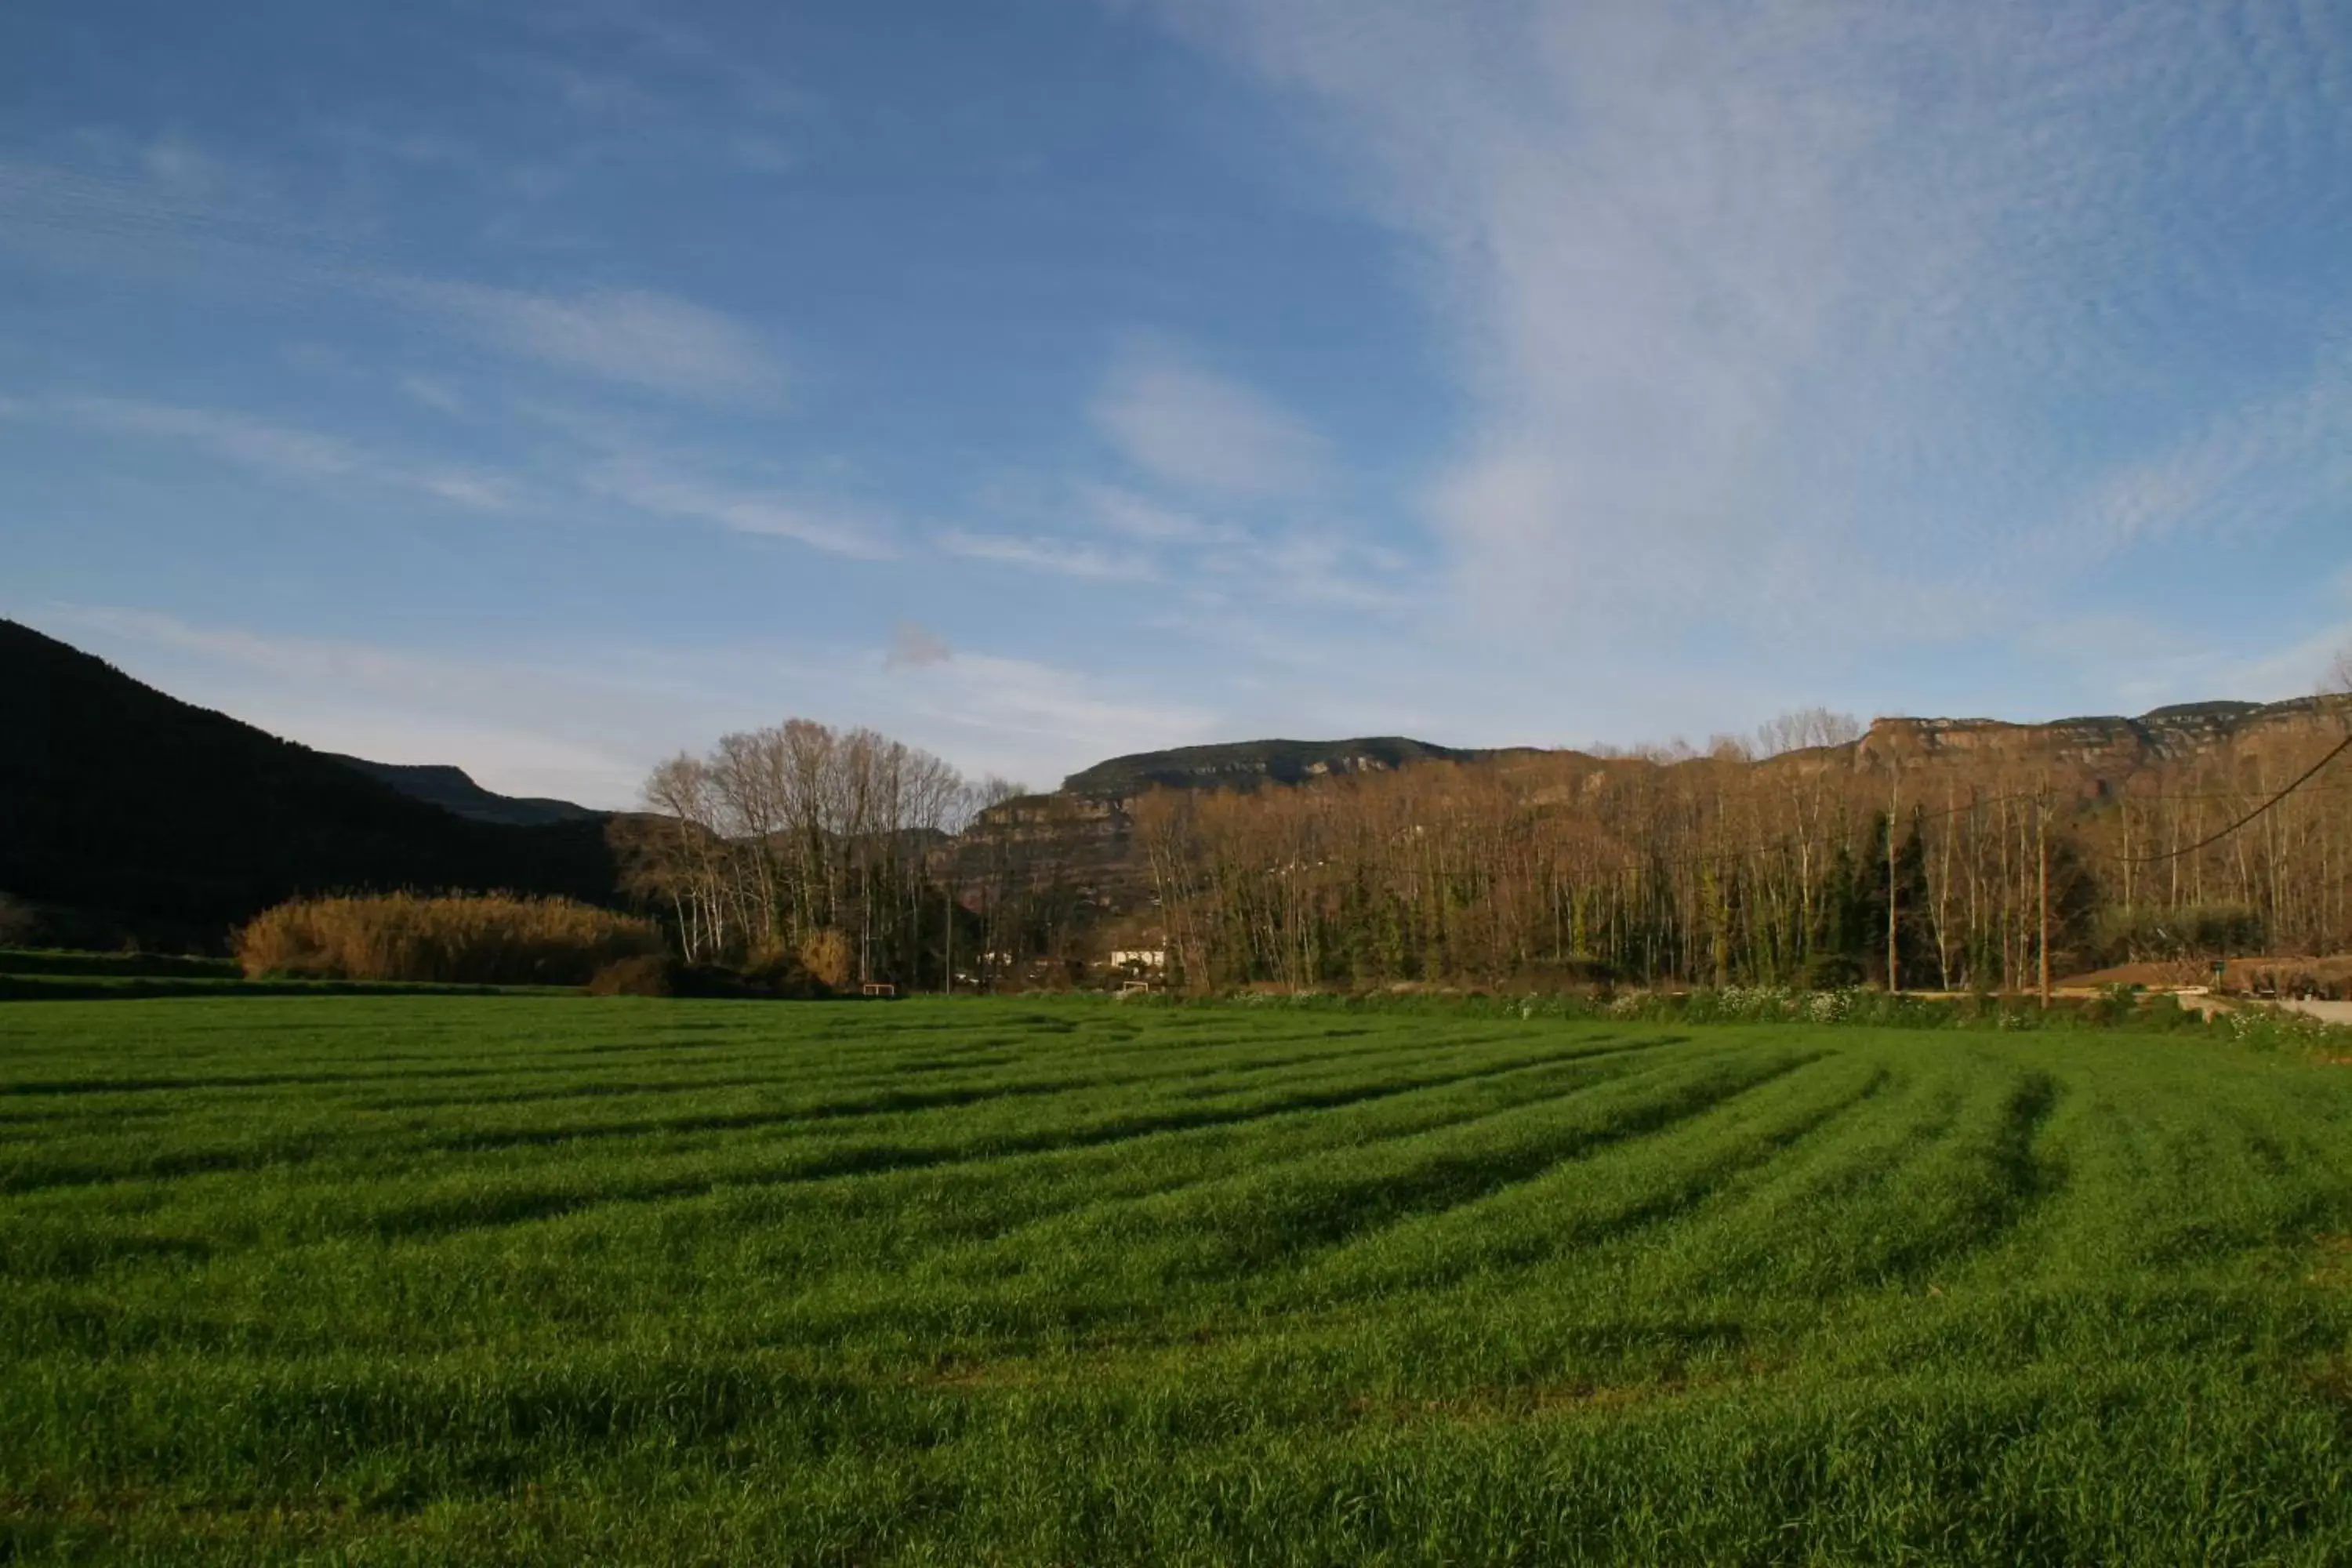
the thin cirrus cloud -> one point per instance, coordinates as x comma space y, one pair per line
1014, 716
1123, 511
434, 395
1191, 428
1059, 557
280, 449
195, 219
2265, 458
1763, 304
636, 336
663, 491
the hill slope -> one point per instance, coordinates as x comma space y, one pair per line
176, 822
1244, 764
454, 789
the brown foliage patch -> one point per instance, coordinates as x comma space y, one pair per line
486, 941
640, 974
825, 954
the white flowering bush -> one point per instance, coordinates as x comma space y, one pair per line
1828, 1006
2271, 1028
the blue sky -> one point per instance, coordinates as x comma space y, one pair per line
546, 388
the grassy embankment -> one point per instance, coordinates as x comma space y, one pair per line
569, 1279
46, 975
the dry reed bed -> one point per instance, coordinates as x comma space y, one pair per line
481, 940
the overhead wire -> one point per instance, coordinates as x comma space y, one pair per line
2212, 839
1638, 862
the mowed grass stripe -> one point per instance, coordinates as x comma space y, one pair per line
861, 1222
880, 1082
561, 1280
308, 1204
890, 1219
1228, 1228
1621, 1190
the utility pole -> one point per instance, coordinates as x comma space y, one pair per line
2041, 864
1893, 941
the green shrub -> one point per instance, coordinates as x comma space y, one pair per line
1829, 971
2130, 933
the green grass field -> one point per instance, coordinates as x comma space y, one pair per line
444, 1278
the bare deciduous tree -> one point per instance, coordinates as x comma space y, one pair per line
800, 839
1806, 729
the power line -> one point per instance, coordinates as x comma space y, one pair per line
2212, 839
1607, 863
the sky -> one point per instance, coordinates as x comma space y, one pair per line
547, 388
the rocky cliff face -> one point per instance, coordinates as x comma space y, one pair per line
2104, 750
1075, 848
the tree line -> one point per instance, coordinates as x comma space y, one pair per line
1807, 855
1828, 865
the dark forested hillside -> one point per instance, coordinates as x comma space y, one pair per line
173, 822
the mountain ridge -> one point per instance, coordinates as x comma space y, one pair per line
155, 818
2172, 730
453, 789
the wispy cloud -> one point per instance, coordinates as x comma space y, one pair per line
2299, 669
636, 336
1296, 564
1191, 428
1141, 518
665, 490
1761, 306
2131, 662
2260, 463
161, 210
1011, 714
484, 492
284, 450
1326, 567
170, 212
1061, 557
236, 437
435, 394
